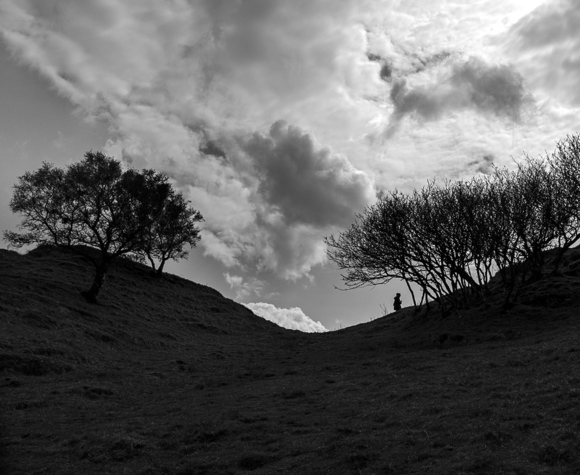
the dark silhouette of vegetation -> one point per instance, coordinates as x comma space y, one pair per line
451, 239
167, 236
95, 204
171, 223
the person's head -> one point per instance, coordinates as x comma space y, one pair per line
398, 295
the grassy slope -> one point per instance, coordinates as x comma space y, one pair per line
170, 377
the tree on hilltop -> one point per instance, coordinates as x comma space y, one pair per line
93, 203
451, 240
565, 168
171, 224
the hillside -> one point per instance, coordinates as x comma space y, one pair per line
167, 376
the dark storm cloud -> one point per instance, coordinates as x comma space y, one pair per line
476, 85
307, 184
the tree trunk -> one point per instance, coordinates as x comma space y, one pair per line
412, 295
159, 271
100, 273
153, 268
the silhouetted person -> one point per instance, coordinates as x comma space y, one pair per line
397, 303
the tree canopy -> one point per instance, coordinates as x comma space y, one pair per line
171, 225
94, 203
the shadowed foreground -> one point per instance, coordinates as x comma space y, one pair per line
167, 376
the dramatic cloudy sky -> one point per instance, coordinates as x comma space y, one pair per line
281, 119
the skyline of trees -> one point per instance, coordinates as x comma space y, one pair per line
448, 239
451, 239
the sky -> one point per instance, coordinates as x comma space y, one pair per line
281, 120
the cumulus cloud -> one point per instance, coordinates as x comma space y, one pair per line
307, 184
546, 47
302, 193
474, 84
279, 194
291, 318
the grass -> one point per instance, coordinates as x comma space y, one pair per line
169, 377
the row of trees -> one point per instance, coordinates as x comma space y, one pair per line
450, 240
96, 204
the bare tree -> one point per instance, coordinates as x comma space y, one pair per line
451, 239
565, 170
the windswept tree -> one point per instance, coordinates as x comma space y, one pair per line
93, 203
450, 240
533, 213
378, 247
565, 169
423, 238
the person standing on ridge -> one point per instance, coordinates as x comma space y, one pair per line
397, 303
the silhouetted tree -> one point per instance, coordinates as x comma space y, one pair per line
92, 203
452, 239
379, 246
534, 214
497, 242
565, 170
172, 223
